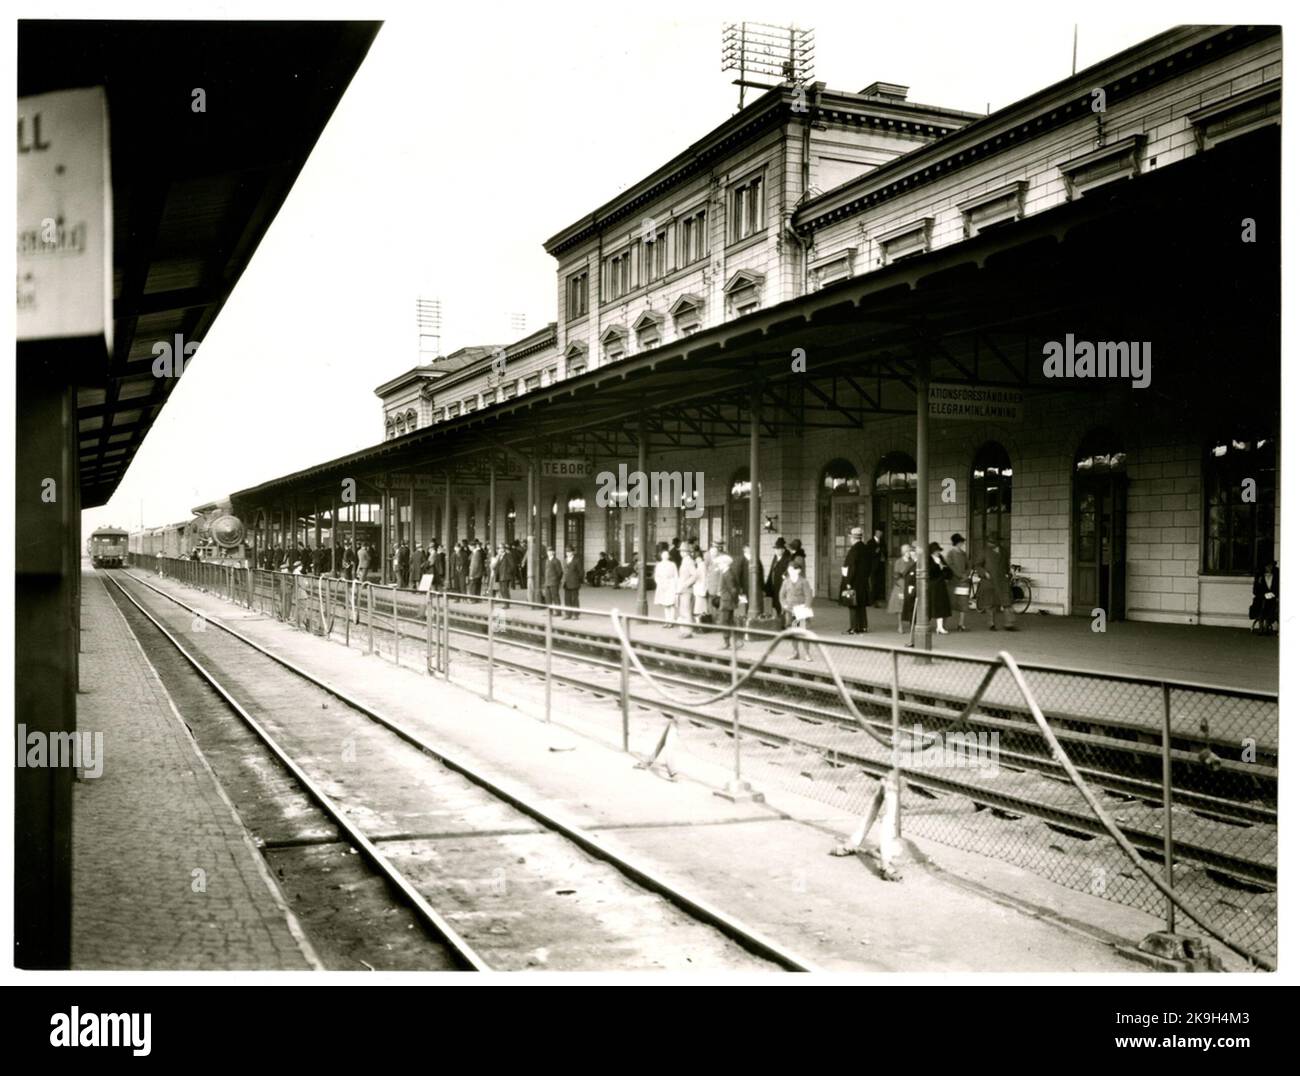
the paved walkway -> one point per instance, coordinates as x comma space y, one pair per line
767, 862
1227, 657
164, 874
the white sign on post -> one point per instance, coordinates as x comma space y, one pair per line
65, 214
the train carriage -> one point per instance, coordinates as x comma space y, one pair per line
107, 547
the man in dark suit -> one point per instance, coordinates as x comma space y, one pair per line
776, 575
571, 580
552, 577
403, 565
504, 572
476, 567
877, 554
856, 573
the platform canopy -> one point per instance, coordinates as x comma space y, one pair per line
1156, 253
193, 192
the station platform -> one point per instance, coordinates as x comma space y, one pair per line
164, 874
766, 863
1224, 657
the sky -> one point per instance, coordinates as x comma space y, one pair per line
467, 138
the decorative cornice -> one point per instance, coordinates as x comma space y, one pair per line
1134, 71
1119, 160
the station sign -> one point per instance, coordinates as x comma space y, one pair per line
573, 468
65, 214
975, 402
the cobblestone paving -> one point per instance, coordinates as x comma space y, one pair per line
164, 875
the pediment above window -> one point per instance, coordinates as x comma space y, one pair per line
613, 336
686, 304
576, 350
1119, 160
1242, 112
998, 206
742, 279
647, 320
905, 240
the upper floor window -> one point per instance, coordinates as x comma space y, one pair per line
471, 404
577, 368
489, 397
532, 382
453, 410
654, 256
508, 390
618, 275
746, 209
693, 239
577, 294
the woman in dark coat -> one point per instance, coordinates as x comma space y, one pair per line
937, 575
1264, 606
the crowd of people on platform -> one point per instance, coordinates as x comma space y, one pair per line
953, 581
694, 588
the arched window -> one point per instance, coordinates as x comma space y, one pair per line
893, 500
840, 478
410, 419
575, 522
511, 515
1100, 452
990, 498
1240, 495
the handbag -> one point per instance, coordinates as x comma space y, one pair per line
848, 596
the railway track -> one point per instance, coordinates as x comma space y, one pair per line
494, 880
796, 726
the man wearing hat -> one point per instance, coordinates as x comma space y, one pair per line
856, 573
776, 575
959, 584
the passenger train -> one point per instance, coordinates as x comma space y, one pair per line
107, 547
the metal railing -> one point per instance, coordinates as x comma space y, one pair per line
1091, 780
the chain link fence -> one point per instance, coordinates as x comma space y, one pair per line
1186, 773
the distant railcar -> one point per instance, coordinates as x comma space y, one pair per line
107, 547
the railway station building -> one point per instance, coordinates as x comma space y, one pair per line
1057, 324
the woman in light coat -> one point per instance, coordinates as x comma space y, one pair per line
688, 574
700, 604
797, 593
666, 586
898, 595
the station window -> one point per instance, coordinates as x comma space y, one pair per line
453, 410
990, 498
1239, 533
577, 295
654, 256
575, 521
746, 209
618, 275
533, 382
693, 239
577, 368
893, 500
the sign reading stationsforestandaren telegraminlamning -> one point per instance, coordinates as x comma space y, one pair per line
987, 403
65, 249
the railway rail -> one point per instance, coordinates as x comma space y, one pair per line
1224, 842
265, 691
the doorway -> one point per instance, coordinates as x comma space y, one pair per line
841, 507
1099, 527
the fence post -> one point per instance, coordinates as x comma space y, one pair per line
1167, 794
370, 617
446, 635
490, 631
624, 678
737, 788
550, 613
428, 631
894, 721
397, 644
